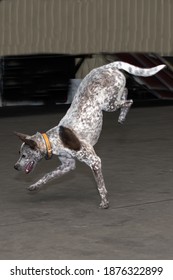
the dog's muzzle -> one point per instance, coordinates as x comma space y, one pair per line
27, 168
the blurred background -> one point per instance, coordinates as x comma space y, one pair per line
48, 46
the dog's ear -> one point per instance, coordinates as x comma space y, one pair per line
21, 136
25, 138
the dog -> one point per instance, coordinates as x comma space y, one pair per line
103, 89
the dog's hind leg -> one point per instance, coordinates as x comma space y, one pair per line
88, 156
67, 165
125, 105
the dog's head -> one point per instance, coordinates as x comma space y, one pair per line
30, 153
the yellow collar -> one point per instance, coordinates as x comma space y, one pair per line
48, 146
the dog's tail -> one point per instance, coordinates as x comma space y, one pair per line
137, 71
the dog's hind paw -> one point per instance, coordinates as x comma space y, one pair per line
121, 121
33, 187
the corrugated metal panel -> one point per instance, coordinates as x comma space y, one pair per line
82, 26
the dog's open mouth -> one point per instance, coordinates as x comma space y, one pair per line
29, 167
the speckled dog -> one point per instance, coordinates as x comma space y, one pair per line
103, 89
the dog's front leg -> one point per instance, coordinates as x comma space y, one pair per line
88, 155
97, 172
67, 165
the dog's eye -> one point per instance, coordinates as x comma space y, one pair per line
23, 156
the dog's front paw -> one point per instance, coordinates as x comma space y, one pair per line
33, 187
104, 204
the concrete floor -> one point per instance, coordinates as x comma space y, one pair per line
63, 221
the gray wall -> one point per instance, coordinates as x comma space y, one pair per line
82, 26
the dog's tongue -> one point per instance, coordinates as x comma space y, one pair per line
29, 167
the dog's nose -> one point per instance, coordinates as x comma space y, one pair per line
16, 166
